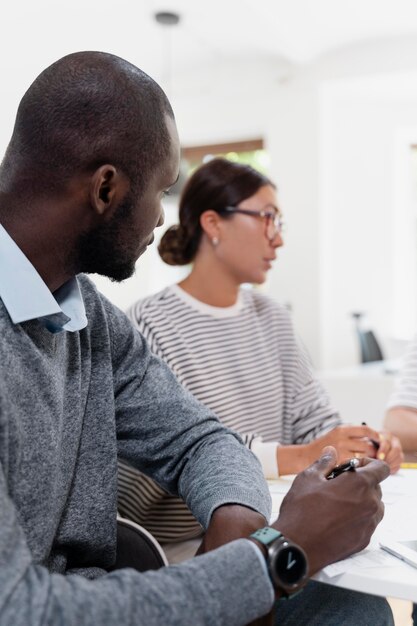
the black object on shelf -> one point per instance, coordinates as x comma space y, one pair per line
370, 349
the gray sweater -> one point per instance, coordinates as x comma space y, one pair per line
69, 404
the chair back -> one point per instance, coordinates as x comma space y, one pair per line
368, 343
370, 349
137, 548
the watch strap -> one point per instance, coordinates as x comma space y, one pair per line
266, 535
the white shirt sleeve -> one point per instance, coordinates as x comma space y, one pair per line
405, 391
266, 451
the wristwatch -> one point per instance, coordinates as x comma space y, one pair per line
287, 563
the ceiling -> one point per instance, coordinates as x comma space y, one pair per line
210, 34
295, 30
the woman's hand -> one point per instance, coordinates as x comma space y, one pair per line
390, 450
360, 441
349, 441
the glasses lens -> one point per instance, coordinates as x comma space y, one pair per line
273, 226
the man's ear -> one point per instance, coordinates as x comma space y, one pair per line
108, 186
210, 223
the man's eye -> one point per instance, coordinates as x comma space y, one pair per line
166, 193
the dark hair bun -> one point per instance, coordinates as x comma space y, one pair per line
174, 249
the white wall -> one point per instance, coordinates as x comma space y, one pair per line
336, 140
363, 210
338, 133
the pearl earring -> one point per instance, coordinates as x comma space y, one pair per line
215, 241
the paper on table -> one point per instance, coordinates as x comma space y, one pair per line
369, 557
399, 484
278, 488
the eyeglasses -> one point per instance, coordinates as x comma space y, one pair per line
274, 222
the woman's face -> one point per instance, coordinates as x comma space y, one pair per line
245, 249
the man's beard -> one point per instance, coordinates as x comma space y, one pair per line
100, 251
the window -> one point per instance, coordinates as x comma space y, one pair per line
250, 152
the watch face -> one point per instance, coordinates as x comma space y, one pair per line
290, 566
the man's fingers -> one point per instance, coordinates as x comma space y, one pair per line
374, 470
326, 462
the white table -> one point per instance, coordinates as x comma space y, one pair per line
374, 571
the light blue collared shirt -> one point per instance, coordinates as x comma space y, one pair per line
26, 296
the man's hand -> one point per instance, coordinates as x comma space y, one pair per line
329, 519
332, 519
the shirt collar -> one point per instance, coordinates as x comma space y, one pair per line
27, 297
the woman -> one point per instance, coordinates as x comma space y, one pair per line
234, 348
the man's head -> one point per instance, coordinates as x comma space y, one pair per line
98, 131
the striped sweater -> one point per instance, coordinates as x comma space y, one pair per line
245, 363
405, 392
